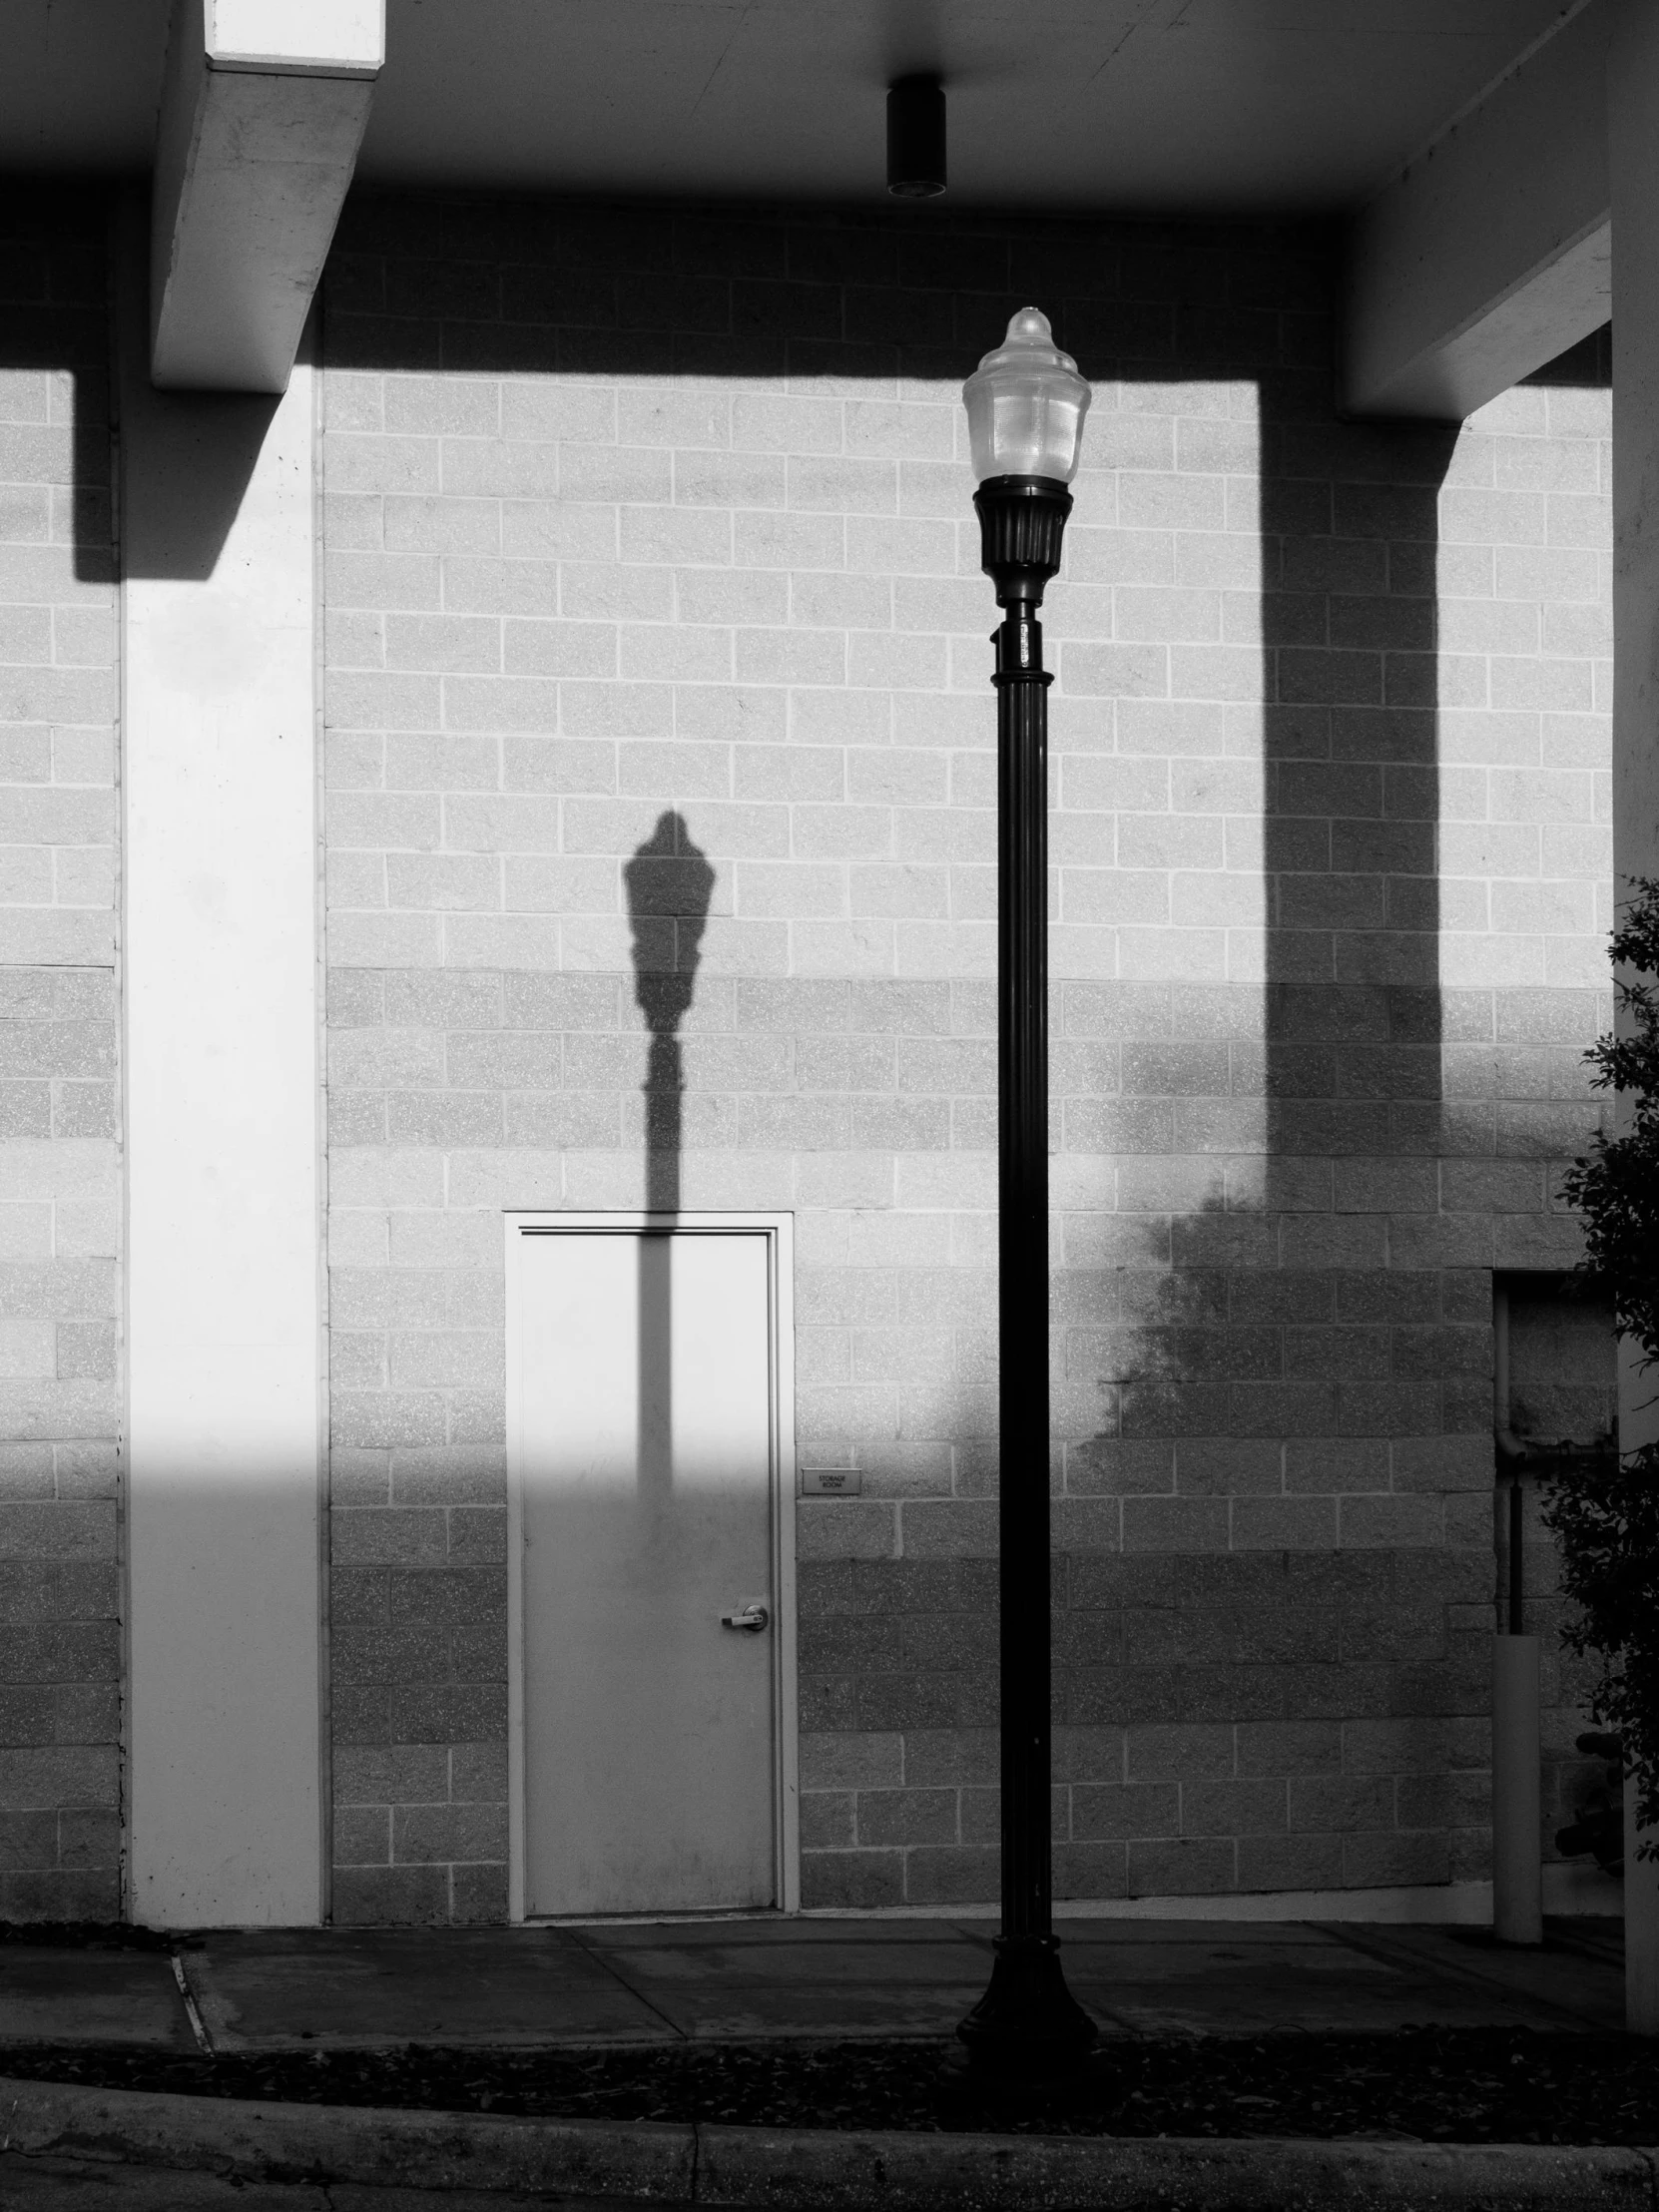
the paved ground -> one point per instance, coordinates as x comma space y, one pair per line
761, 1978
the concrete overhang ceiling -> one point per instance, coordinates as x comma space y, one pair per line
1135, 104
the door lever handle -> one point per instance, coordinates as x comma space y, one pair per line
753, 1617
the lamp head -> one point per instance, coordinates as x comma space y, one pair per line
1026, 405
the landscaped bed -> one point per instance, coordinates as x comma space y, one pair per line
1430, 2084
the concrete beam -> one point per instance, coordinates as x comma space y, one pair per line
262, 110
1633, 157
1492, 253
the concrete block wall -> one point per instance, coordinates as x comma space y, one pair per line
60, 1629
649, 534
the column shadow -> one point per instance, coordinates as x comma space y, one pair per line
1298, 1317
64, 1853
1379, 1298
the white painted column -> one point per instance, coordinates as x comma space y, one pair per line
1633, 162
221, 964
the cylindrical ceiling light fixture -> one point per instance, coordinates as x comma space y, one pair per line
916, 137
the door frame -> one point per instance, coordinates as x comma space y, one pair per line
779, 1230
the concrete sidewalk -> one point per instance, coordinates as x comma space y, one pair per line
757, 1978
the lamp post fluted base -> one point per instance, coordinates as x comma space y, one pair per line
1028, 2028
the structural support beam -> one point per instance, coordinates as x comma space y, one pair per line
220, 945
1633, 147
1491, 253
262, 110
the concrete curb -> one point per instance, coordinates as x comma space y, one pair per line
808, 2169
337, 2142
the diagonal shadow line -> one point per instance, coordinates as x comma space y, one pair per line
591, 1949
1396, 1953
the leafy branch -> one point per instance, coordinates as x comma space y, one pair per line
1605, 1513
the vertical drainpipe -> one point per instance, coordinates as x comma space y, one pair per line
1518, 1871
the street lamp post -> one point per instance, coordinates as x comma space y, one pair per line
1026, 408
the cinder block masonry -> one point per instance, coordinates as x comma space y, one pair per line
649, 530
60, 1191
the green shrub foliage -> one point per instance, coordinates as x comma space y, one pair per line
1606, 1516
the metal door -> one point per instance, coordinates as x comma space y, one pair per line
645, 1450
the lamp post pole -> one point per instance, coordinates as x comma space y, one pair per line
1027, 2026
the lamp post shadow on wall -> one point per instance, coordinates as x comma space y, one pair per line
669, 887
1025, 407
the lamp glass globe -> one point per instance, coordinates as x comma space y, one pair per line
1026, 405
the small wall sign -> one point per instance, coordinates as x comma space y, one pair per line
831, 1481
